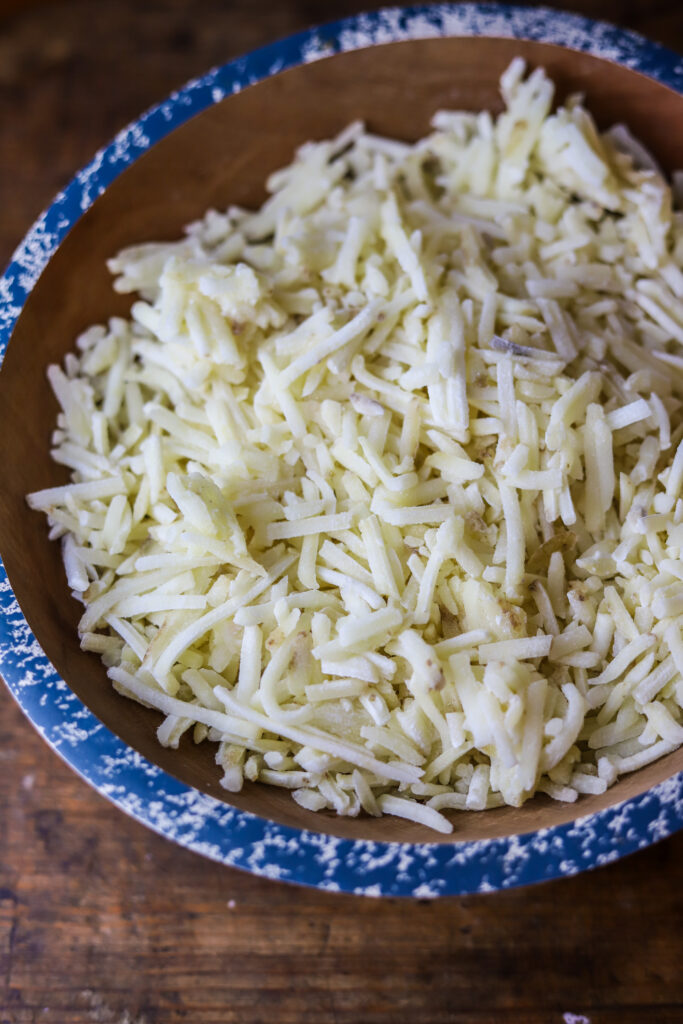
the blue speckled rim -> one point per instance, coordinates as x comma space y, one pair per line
142, 789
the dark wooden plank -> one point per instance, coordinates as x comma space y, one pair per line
103, 921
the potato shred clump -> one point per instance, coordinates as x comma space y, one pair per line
379, 487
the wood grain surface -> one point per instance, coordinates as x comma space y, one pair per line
103, 921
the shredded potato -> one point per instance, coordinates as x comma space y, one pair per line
379, 487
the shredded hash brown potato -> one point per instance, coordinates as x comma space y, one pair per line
379, 487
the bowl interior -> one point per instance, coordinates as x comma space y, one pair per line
220, 157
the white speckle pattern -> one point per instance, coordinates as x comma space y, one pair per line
88, 180
142, 789
9, 312
33, 254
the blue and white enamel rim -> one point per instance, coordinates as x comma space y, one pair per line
142, 789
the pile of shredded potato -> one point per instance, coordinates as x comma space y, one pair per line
379, 487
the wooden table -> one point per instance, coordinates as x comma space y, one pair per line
103, 921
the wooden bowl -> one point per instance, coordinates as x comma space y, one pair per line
223, 156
